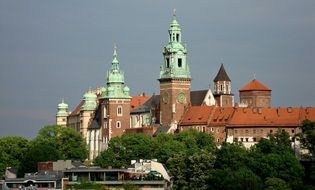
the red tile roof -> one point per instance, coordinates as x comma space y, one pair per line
247, 117
221, 116
137, 101
266, 117
255, 85
197, 115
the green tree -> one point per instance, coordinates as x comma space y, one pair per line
273, 183
191, 171
165, 147
274, 158
12, 149
231, 155
307, 136
228, 179
278, 142
121, 150
53, 143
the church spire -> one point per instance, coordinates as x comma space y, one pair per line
116, 87
115, 62
175, 54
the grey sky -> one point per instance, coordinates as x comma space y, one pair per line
59, 49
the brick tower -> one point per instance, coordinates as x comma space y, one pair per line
115, 103
175, 79
222, 89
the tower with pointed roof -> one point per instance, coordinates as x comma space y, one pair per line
62, 114
115, 102
255, 94
175, 79
222, 89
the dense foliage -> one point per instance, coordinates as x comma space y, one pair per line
192, 158
195, 163
52, 143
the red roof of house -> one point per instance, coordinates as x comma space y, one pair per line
221, 116
137, 101
255, 85
266, 117
197, 115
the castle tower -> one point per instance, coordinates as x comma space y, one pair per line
115, 102
222, 89
62, 114
175, 79
255, 94
86, 111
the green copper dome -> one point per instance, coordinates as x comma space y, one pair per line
175, 54
116, 87
89, 101
62, 109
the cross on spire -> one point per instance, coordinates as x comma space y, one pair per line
174, 13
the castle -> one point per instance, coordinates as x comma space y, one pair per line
110, 111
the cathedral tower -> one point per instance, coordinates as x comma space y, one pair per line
175, 79
115, 106
222, 89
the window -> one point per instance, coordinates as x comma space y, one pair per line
179, 61
246, 131
177, 37
63, 119
119, 111
235, 139
292, 131
271, 130
242, 139
212, 129
167, 62
246, 139
118, 124
254, 139
203, 129
221, 87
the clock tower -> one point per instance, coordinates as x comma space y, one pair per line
175, 79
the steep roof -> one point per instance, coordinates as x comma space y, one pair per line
76, 110
221, 116
137, 101
255, 85
197, 97
222, 75
197, 115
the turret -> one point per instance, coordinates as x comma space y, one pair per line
62, 114
222, 89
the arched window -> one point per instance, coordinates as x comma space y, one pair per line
119, 111
118, 124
